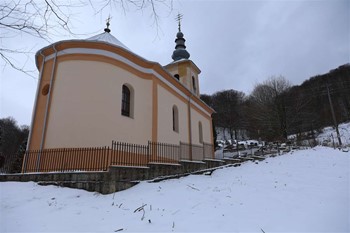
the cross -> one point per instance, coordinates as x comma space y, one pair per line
178, 18
108, 20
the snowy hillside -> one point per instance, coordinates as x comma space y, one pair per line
324, 138
302, 191
329, 133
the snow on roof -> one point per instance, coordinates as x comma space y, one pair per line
108, 38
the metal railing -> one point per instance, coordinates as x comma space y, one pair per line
127, 154
66, 159
163, 152
119, 154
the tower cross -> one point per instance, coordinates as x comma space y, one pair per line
178, 19
108, 20
107, 23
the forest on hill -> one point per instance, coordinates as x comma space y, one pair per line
276, 109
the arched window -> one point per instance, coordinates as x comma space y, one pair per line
177, 76
200, 129
126, 101
194, 84
175, 119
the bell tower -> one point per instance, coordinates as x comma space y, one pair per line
182, 68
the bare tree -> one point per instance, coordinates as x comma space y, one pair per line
268, 108
34, 18
46, 18
228, 105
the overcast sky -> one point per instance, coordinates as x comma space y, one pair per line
236, 44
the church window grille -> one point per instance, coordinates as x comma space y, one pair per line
175, 119
126, 101
200, 129
194, 84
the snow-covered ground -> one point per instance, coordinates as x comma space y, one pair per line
304, 191
329, 134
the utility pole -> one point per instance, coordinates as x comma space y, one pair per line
333, 115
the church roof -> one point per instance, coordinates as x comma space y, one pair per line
108, 38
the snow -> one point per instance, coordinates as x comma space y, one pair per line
108, 38
304, 191
329, 134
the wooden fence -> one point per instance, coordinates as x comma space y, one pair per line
119, 154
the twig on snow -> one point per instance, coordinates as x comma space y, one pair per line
143, 210
193, 187
140, 208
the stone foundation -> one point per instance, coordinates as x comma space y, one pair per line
117, 178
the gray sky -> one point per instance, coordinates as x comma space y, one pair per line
236, 44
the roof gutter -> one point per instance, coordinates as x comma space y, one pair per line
190, 124
36, 100
47, 107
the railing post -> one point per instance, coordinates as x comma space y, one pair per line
212, 147
203, 150
150, 151
190, 152
25, 160
38, 161
112, 154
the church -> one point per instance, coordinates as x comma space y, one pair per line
96, 90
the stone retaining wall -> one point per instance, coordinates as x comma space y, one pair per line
116, 178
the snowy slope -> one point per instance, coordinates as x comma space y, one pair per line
329, 133
300, 192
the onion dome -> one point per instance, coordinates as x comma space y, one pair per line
180, 51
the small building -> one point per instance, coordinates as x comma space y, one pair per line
96, 90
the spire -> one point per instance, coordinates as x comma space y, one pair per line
178, 18
180, 51
107, 23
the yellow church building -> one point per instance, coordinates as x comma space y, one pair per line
96, 90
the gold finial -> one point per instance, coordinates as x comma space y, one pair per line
178, 18
107, 23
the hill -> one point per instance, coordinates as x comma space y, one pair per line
301, 191
310, 102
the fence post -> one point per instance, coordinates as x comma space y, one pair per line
190, 147
38, 161
25, 160
203, 150
112, 153
212, 147
149, 151
181, 155
109, 157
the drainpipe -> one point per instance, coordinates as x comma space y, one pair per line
190, 124
34, 109
47, 107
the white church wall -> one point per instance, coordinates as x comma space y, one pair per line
197, 117
166, 101
86, 106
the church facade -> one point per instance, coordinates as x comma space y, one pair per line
96, 90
